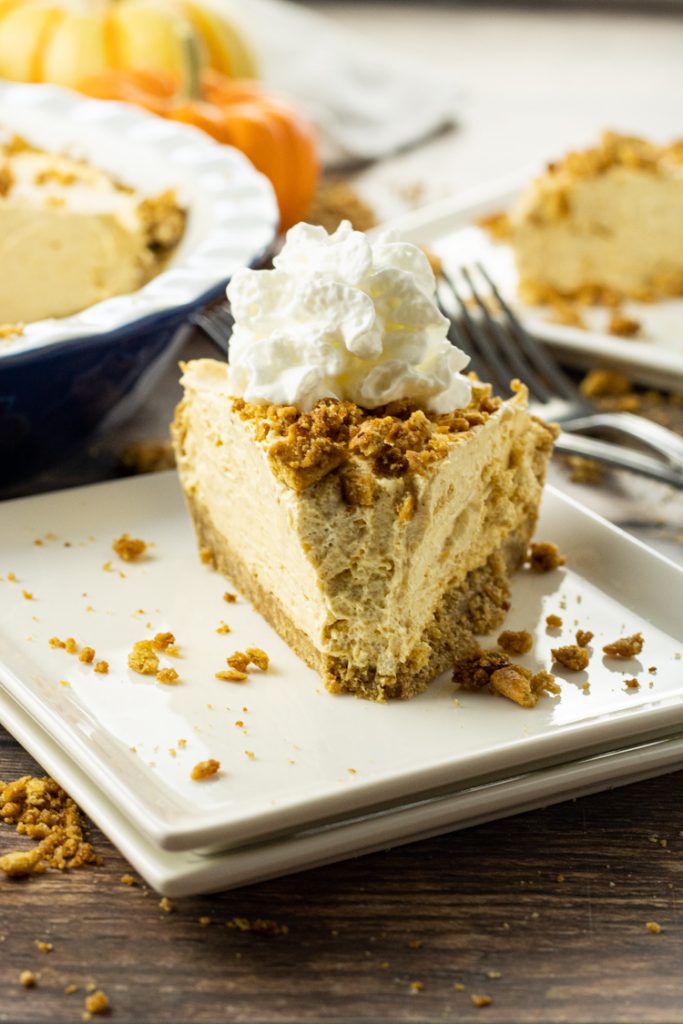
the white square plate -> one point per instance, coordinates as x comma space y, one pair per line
186, 873
299, 755
450, 229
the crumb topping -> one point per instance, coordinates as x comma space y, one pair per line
392, 441
572, 657
625, 646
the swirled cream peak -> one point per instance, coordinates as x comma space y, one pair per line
342, 318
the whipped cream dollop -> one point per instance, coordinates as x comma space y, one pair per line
341, 317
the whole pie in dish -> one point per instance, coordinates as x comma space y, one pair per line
367, 498
603, 224
71, 235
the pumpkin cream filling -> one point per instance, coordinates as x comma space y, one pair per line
71, 236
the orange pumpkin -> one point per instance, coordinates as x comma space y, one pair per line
278, 140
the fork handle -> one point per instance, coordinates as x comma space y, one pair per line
659, 439
618, 457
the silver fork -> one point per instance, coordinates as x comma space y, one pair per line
501, 348
217, 323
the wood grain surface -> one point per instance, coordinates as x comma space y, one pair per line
545, 913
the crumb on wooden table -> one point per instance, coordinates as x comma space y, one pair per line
205, 769
544, 556
41, 810
27, 979
43, 947
129, 549
571, 656
653, 927
480, 1000
97, 1003
515, 641
165, 905
127, 879
264, 926
625, 646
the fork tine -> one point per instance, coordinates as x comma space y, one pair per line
477, 343
508, 352
217, 325
542, 361
458, 337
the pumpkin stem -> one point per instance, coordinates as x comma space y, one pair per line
193, 64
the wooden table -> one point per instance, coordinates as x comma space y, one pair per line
545, 913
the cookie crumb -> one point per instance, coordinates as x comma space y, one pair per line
70, 989
653, 927
622, 325
583, 637
258, 657
70, 645
167, 675
44, 947
416, 986
632, 684
102, 667
544, 556
625, 646
143, 659
27, 979
87, 654
97, 1003
229, 598
205, 921
127, 880
571, 656
163, 641
515, 641
223, 628
54, 641
553, 621
480, 1000
165, 905
259, 924
129, 549
205, 769
231, 676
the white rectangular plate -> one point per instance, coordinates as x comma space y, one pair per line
450, 229
291, 754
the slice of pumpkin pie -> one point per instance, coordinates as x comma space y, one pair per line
603, 224
367, 498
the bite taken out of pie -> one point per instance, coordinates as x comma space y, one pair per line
368, 499
603, 224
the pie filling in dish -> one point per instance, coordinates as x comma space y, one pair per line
369, 500
603, 224
71, 235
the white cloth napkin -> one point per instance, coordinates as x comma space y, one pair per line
366, 102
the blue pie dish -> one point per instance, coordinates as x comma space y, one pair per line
63, 379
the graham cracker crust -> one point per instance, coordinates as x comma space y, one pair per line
476, 606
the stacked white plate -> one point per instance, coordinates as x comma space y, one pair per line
306, 777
